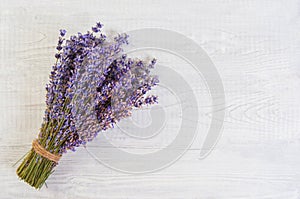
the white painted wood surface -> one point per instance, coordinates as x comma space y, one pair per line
255, 46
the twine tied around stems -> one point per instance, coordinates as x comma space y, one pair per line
43, 152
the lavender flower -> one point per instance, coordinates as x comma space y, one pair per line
63, 32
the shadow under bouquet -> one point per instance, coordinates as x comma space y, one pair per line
93, 85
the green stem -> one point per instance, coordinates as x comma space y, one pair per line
34, 172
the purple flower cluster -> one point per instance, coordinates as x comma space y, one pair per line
92, 86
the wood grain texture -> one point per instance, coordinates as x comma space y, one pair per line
255, 46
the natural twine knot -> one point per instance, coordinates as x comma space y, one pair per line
43, 152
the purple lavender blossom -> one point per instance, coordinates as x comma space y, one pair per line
63, 32
93, 86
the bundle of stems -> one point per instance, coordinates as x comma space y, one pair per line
93, 85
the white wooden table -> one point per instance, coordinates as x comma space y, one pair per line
255, 46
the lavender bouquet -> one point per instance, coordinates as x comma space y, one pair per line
93, 85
